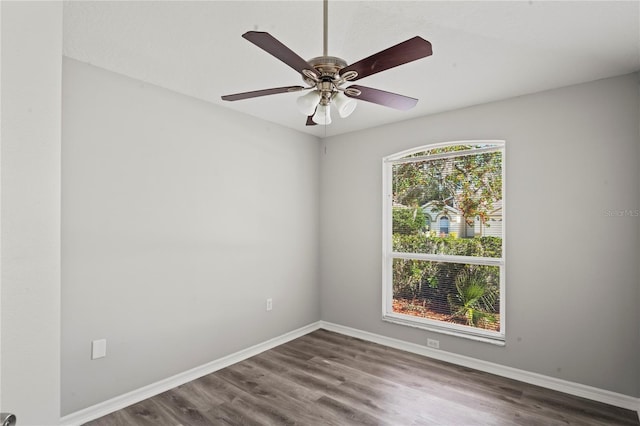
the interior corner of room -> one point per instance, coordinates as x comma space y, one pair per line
149, 235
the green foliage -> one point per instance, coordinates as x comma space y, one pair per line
491, 246
469, 183
408, 221
453, 289
427, 243
411, 186
476, 295
414, 276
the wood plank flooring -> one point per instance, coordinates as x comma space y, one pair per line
325, 378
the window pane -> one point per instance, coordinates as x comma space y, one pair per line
449, 205
450, 292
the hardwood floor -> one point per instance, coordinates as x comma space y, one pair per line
325, 378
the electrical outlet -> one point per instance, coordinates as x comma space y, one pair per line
433, 343
269, 304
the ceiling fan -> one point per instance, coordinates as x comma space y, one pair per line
325, 76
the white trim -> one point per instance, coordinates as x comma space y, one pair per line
432, 157
458, 330
503, 271
571, 388
387, 223
414, 150
135, 396
450, 258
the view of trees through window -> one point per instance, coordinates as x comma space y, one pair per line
447, 232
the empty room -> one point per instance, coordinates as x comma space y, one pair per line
320, 212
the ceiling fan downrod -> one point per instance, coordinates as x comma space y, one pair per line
325, 28
326, 81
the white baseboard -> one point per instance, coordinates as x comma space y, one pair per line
133, 397
577, 389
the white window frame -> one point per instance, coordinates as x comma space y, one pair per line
488, 336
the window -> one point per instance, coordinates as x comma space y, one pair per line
446, 276
444, 225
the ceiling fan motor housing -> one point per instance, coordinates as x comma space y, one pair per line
329, 79
328, 65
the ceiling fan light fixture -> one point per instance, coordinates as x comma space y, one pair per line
322, 115
344, 104
307, 103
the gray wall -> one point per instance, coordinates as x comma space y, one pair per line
179, 219
31, 35
638, 263
573, 288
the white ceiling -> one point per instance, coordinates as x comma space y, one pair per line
482, 51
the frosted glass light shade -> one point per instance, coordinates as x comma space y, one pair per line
344, 104
308, 103
322, 115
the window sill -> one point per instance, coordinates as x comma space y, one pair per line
397, 319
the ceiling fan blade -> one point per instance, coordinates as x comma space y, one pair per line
407, 51
270, 44
265, 92
310, 121
377, 96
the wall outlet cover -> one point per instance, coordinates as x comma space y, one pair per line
433, 343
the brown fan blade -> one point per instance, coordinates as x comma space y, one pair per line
407, 51
392, 100
270, 44
265, 92
310, 121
